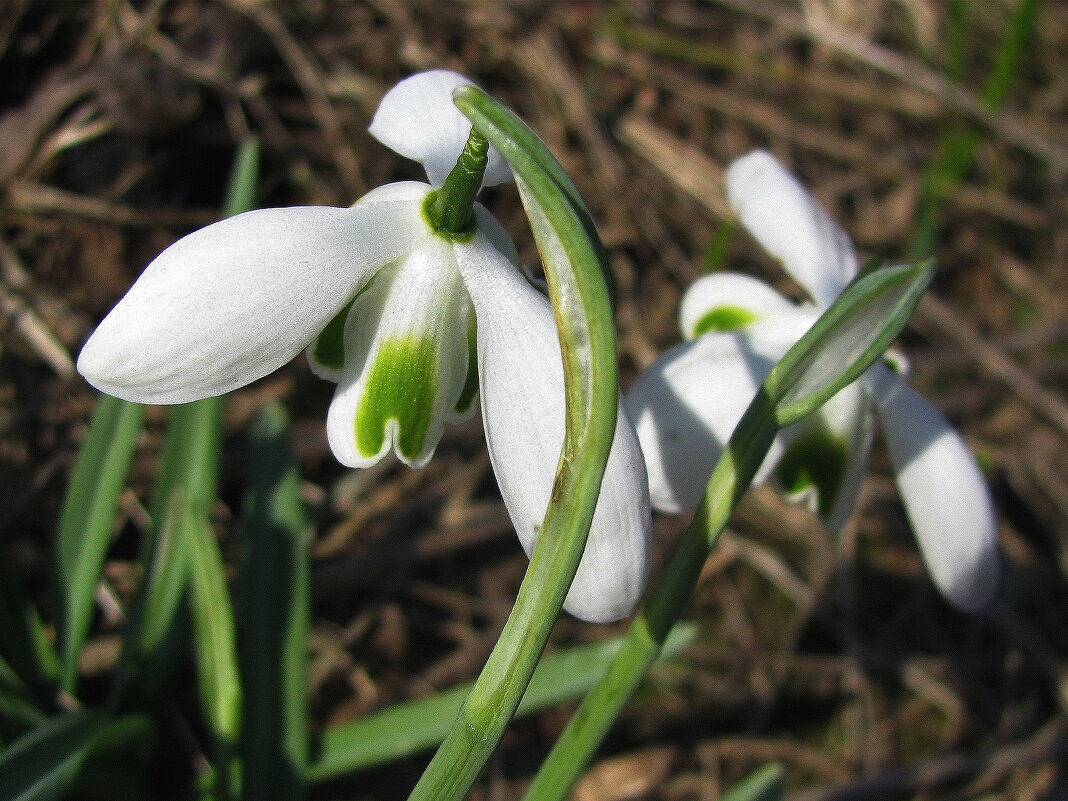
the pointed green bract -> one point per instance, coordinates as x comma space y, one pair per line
401, 388
851, 334
815, 459
724, 318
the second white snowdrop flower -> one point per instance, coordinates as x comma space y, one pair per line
687, 403
411, 317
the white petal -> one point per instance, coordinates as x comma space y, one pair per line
728, 291
234, 301
405, 365
522, 391
418, 119
838, 440
945, 495
687, 403
791, 225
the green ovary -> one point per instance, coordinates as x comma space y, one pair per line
817, 458
724, 318
401, 386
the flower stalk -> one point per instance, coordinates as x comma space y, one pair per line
450, 209
867, 317
574, 269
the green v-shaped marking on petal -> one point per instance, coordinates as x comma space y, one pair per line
724, 318
816, 458
401, 386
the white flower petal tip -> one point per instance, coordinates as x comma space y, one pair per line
236, 300
615, 565
418, 119
945, 496
521, 388
728, 302
791, 225
687, 403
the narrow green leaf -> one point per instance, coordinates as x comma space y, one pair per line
86, 520
41, 765
244, 176
25, 645
855, 331
18, 708
216, 652
154, 634
766, 783
276, 604
404, 729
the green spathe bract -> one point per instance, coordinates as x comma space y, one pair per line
724, 318
401, 387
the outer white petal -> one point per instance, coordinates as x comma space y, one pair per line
791, 225
522, 391
732, 290
944, 492
406, 354
686, 404
234, 301
418, 119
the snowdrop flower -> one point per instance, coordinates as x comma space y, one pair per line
686, 404
409, 319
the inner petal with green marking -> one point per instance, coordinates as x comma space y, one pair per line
725, 318
407, 360
815, 460
398, 399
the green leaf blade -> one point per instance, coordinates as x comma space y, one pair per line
86, 521
276, 602
847, 338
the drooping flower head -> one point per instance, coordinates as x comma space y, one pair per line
411, 321
687, 403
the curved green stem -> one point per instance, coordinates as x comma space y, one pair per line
449, 208
574, 265
845, 341
644, 640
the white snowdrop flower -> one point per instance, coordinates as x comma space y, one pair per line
410, 321
687, 403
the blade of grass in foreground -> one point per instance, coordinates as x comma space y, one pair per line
276, 604
25, 644
85, 523
214, 641
404, 729
41, 765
